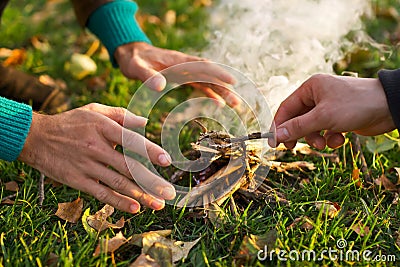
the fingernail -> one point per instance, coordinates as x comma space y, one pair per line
282, 134
168, 193
134, 208
157, 204
164, 159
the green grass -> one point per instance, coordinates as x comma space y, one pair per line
29, 234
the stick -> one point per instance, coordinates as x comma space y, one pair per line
355, 140
251, 136
41, 189
8, 197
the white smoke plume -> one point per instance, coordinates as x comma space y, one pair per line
280, 43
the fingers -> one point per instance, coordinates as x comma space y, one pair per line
316, 140
334, 139
120, 115
136, 143
107, 195
143, 177
127, 187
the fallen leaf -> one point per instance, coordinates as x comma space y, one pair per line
304, 221
360, 229
41, 45
80, 66
179, 249
386, 183
252, 245
99, 221
355, 176
5, 52
7, 202
110, 245
162, 254
305, 149
379, 144
290, 166
70, 211
144, 261
328, 208
170, 17
397, 170
12, 186
47, 80
52, 182
16, 58
52, 260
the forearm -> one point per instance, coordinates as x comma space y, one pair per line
15, 122
390, 80
113, 22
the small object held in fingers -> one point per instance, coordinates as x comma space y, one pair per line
252, 136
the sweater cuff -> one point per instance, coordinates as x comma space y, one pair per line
15, 122
390, 80
114, 24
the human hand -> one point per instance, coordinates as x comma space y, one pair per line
76, 148
139, 60
333, 104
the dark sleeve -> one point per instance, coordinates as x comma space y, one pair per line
390, 80
83, 9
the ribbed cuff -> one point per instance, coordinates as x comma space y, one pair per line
390, 80
15, 122
115, 24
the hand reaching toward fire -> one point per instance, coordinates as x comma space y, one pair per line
76, 148
139, 60
333, 104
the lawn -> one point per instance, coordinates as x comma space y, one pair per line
363, 215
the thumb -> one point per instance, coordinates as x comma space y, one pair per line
299, 127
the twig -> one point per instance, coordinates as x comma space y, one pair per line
355, 140
251, 136
41, 189
8, 197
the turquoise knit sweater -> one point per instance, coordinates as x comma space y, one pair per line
15, 121
114, 24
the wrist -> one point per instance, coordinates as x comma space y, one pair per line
29, 153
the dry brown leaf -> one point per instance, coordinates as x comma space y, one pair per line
179, 249
162, 254
144, 261
305, 149
16, 58
99, 222
216, 215
70, 211
52, 260
12, 186
305, 222
355, 176
41, 45
110, 245
360, 229
47, 80
7, 202
290, 166
386, 183
170, 17
5, 52
329, 208
251, 246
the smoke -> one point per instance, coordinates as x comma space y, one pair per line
280, 43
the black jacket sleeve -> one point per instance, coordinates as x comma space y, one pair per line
390, 80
